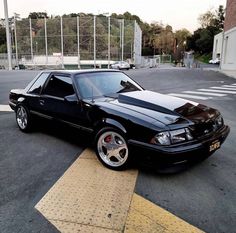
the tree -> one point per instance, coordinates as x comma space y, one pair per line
214, 18
3, 46
220, 17
2, 35
181, 36
212, 22
207, 19
38, 15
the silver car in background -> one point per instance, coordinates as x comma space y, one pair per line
120, 65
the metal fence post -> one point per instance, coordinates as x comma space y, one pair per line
62, 48
122, 40
16, 47
46, 39
119, 53
94, 40
78, 42
31, 41
8, 36
109, 42
134, 46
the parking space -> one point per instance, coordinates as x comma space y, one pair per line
30, 164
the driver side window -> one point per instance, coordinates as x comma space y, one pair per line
59, 86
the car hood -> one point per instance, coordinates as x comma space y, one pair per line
163, 108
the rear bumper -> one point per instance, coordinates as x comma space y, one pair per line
193, 150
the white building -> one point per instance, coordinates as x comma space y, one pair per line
225, 42
217, 48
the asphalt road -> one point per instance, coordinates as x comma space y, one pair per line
203, 195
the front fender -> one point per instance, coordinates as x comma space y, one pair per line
113, 123
20, 100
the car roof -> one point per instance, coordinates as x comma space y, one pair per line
80, 71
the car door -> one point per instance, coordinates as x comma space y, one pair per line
60, 101
34, 92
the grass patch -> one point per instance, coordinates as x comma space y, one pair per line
203, 58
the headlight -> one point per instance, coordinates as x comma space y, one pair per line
219, 121
172, 137
162, 138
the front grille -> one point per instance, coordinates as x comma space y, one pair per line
203, 129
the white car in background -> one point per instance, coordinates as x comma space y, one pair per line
215, 61
120, 65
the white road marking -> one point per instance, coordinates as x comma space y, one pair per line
224, 88
219, 91
204, 93
230, 86
190, 96
5, 108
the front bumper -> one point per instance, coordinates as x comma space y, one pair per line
192, 150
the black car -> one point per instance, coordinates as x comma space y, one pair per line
124, 119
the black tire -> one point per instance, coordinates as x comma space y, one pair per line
23, 118
118, 148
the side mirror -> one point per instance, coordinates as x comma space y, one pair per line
71, 98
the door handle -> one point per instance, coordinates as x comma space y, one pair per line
41, 102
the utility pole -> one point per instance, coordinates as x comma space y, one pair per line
8, 35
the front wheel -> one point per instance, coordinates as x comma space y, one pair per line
23, 118
112, 149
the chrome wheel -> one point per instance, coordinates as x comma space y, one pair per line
112, 149
22, 117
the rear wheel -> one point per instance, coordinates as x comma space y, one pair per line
112, 149
23, 118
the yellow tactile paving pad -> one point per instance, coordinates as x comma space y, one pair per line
90, 198
147, 217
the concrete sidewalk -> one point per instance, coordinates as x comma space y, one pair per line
229, 73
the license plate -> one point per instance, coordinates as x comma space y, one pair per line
214, 146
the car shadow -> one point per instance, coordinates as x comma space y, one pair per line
63, 132
83, 140
168, 169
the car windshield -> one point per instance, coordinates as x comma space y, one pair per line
99, 84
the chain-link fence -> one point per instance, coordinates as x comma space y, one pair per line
156, 60
76, 42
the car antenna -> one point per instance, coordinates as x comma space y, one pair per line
92, 95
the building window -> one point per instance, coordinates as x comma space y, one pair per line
216, 46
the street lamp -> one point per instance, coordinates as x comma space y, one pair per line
36, 47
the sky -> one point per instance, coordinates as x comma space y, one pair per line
177, 13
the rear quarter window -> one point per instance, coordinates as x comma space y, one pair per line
38, 84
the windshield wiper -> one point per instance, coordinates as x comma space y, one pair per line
111, 95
